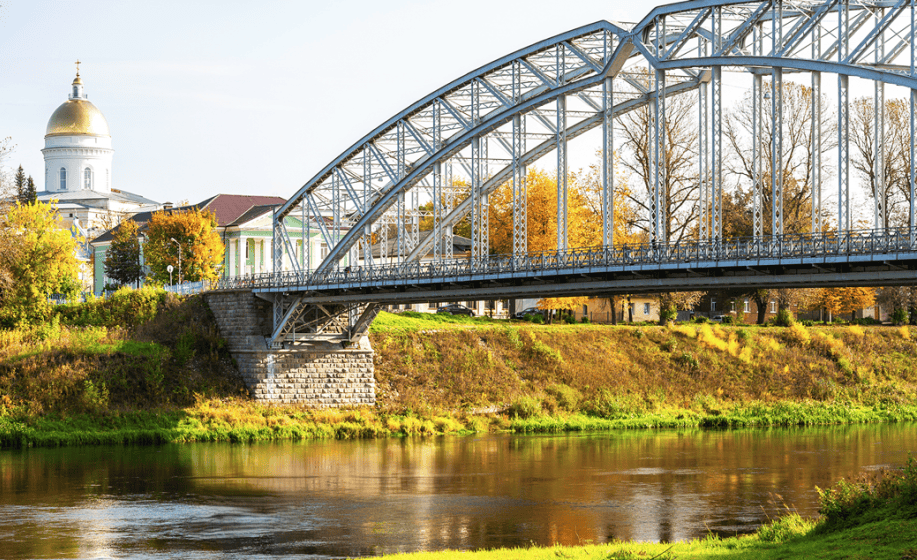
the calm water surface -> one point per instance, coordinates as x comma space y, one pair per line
362, 498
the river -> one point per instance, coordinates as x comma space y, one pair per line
329, 499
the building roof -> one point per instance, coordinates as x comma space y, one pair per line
228, 209
77, 196
253, 213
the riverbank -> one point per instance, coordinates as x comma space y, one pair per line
874, 516
146, 367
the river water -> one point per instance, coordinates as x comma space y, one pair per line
363, 498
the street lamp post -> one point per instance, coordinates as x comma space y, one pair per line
173, 240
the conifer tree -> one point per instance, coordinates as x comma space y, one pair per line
31, 195
20, 182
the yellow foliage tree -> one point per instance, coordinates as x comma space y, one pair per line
848, 300
40, 260
584, 219
195, 232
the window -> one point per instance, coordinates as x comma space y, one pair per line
773, 307
746, 308
712, 305
646, 309
87, 179
323, 250
63, 179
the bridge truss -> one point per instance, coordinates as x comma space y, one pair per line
437, 162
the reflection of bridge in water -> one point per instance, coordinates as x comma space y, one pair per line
439, 160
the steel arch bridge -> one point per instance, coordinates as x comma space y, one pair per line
486, 127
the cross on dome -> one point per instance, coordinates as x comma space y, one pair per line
77, 68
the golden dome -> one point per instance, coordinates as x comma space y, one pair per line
77, 117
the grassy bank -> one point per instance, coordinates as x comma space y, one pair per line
873, 517
145, 367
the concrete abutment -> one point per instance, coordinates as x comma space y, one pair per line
320, 374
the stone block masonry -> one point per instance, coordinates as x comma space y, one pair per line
320, 374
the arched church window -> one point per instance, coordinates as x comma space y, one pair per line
87, 179
63, 179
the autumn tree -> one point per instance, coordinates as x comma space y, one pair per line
796, 142
38, 259
190, 233
541, 215
122, 261
541, 223
848, 300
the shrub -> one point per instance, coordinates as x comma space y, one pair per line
585, 319
569, 319
888, 493
668, 314
538, 318
524, 407
784, 318
701, 319
799, 334
567, 398
900, 316
608, 405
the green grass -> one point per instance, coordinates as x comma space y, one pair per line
411, 321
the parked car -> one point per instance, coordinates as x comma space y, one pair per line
455, 309
528, 311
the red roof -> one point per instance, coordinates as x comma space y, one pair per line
229, 207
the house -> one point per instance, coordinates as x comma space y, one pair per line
244, 223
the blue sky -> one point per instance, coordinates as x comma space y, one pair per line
205, 97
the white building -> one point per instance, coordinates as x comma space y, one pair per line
78, 167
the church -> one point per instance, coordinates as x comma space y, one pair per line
78, 168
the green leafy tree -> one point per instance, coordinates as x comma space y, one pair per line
39, 258
122, 262
190, 234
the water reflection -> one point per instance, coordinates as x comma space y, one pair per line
332, 499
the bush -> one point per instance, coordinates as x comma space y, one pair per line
567, 398
784, 318
569, 319
538, 318
882, 495
701, 319
668, 315
728, 319
585, 319
900, 316
524, 407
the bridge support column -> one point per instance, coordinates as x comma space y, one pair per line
319, 373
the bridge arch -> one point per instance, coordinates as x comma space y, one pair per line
520, 100
492, 123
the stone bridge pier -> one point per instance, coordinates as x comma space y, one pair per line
319, 373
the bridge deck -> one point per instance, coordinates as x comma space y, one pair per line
869, 258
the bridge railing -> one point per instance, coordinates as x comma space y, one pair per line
676, 254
